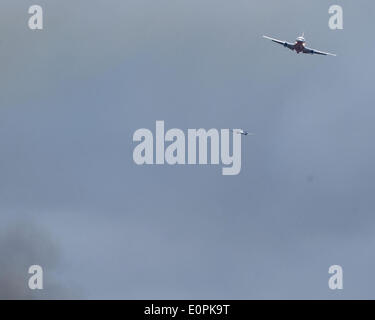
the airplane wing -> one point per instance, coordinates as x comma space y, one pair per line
284, 43
313, 51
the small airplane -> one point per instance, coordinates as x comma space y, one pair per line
299, 46
240, 131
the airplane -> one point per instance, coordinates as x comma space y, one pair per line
240, 131
299, 46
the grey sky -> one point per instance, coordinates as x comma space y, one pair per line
73, 94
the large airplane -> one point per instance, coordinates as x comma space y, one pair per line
299, 46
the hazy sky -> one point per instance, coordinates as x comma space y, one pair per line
73, 201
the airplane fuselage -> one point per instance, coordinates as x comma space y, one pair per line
299, 46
